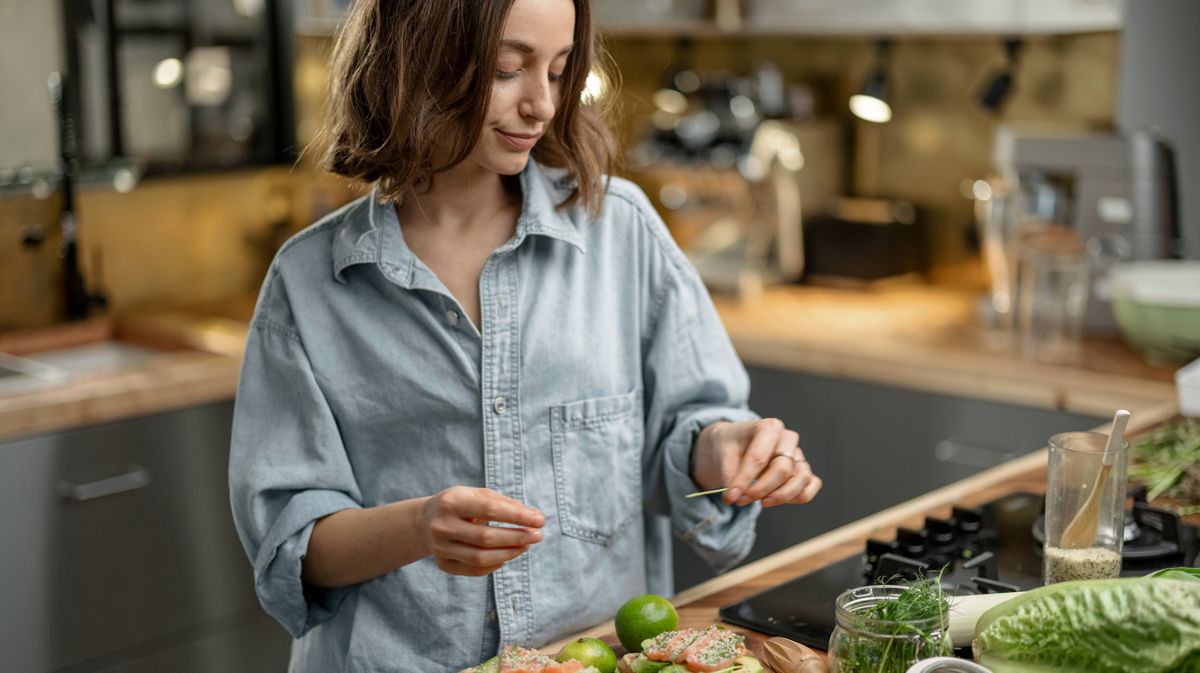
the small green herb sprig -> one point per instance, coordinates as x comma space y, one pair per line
1167, 461
901, 631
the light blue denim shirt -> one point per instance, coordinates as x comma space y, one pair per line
599, 360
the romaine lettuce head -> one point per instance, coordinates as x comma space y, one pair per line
1137, 625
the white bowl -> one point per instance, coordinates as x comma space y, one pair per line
1157, 307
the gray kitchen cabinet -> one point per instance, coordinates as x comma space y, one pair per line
119, 552
877, 446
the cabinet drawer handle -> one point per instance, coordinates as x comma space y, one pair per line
131, 480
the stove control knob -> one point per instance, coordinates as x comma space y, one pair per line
911, 543
876, 549
941, 531
970, 521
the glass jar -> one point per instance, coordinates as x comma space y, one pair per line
860, 643
1085, 508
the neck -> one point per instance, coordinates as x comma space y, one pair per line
461, 198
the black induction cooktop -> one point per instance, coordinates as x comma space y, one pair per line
995, 547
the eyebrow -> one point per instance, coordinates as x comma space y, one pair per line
526, 48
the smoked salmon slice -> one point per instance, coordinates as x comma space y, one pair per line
516, 659
671, 645
715, 651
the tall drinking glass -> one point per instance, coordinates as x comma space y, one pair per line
1085, 492
1053, 285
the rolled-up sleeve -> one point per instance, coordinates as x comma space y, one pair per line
692, 377
287, 466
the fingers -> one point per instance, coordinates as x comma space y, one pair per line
764, 437
799, 490
459, 568
477, 558
781, 466
810, 491
483, 504
483, 535
463, 539
792, 488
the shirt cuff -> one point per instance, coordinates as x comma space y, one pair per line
720, 534
277, 569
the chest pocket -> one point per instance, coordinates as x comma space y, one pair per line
597, 451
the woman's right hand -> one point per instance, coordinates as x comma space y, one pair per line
455, 529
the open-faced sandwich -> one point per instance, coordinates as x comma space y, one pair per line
692, 651
514, 659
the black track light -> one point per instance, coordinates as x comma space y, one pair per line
870, 103
993, 97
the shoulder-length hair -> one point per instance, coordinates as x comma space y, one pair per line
410, 85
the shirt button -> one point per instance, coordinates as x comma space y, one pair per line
500, 405
452, 317
493, 616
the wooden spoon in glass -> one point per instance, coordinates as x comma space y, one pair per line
1081, 532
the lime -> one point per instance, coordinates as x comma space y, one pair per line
589, 652
644, 617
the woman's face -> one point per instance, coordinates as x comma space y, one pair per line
526, 88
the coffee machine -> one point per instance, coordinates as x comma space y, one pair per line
1113, 192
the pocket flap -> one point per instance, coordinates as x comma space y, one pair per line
596, 411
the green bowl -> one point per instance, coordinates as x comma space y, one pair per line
1157, 307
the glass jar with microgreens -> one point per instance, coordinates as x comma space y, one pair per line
886, 628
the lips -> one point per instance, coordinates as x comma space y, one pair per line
520, 141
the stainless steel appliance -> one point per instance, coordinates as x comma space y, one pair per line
735, 163
1114, 191
743, 225
993, 548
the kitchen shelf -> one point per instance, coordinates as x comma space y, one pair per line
858, 18
933, 17
838, 18
118, 174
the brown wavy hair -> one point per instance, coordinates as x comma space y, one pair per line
410, 85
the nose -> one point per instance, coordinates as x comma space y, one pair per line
539, 99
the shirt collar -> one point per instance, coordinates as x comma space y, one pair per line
370, 231
543, 189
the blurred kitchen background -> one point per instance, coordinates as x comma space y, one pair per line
188, 116
979, 173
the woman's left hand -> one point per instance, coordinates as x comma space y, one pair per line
757, 460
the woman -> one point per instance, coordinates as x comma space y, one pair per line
472, 402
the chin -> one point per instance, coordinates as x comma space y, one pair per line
511, 165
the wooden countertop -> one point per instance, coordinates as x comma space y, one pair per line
195, 360
907, 335
698, 605
926, 337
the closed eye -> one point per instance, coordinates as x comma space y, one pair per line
512, 74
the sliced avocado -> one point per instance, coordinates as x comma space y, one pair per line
642, 664
674, 668
749, 664
490, 666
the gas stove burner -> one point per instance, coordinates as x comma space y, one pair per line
1151, 535
953, 549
